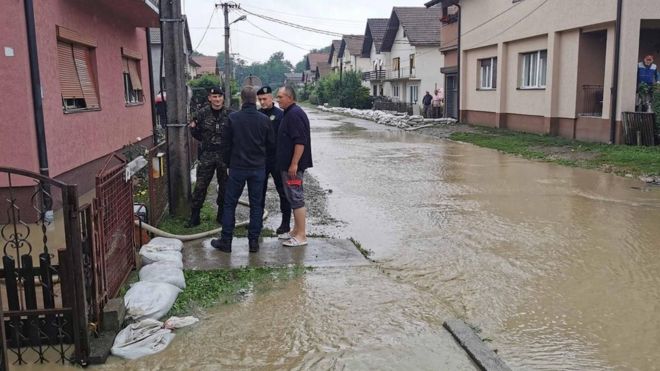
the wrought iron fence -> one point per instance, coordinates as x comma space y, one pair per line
592, 101
45, 318
373, 75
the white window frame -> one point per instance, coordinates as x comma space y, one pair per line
414, 93
395, 90
488, 74
534, 69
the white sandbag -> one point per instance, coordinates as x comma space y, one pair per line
179, 322
150, 299
142, 339
163, 271
166, 244
152, 254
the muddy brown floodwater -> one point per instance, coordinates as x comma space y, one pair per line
559, 268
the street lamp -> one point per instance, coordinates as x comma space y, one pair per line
227, 88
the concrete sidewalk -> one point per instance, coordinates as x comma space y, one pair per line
320, 252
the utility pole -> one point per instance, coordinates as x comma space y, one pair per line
178, 171
225, 81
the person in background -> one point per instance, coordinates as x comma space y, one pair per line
426, 102
438, 98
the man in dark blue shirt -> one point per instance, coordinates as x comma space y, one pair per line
249, 141
294, 156
268, 108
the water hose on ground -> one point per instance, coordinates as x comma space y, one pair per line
196, 236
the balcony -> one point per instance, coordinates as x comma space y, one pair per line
592, 101
402, 74
373, 75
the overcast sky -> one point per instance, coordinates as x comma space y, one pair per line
253, 45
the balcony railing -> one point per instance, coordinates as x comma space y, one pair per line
401, 73
592, 101
373, 75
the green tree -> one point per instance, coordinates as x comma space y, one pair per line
347, 92
205, 81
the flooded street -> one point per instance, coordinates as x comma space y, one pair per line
559, 268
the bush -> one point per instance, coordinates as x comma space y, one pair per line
347, 92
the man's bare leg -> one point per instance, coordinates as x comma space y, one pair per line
298, 230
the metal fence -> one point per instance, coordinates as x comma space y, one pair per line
592, 101
114, 253
45, 318
638, 128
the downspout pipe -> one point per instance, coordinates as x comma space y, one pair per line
154, 121
37, 101
458, 64
615, 75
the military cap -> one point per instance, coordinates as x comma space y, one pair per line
216, 90
264, 90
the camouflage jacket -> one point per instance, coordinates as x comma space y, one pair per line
209, 130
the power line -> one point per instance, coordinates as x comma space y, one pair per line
294, 25
205, 31
270, 38
308, 17
514, 24
266, 32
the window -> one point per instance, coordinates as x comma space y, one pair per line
396, 65
395, 90
77, 78
534, 69
488, 73
412, 64
131, 74
414, 93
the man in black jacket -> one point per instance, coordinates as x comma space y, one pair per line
249, 140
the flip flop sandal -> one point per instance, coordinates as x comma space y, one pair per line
284, 236
293, 242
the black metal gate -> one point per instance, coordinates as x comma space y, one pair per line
451, 96
45, 319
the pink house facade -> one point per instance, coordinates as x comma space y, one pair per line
94, 77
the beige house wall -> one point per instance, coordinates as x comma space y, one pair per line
509, 29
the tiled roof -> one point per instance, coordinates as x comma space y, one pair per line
207, 64
353, 43
336, 44
314, 59
422, 26
374, 33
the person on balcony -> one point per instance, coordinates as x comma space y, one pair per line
647, 71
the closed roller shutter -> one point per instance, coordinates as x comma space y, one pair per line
69, 82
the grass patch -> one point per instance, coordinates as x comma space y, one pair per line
619, 159
365, 252
207, 288
177, 225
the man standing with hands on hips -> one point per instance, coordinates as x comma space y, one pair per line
294, 156
265, 97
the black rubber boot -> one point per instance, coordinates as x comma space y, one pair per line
284, 226
194, 218
254, 245
222, 245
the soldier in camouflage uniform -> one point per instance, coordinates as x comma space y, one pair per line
208, 127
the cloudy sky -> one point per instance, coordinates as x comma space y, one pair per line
249, 40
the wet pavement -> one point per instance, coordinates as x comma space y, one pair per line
556, 267
319, 253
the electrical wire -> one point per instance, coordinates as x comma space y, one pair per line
513, 24
307, 17
206, 30
282, 40
294, 25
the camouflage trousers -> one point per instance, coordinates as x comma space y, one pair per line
209, 163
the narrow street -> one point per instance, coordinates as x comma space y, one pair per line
557, 267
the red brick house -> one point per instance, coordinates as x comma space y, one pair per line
94, 74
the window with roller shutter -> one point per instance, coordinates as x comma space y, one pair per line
76, 71
131, 74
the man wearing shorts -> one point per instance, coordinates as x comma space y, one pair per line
294, 156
